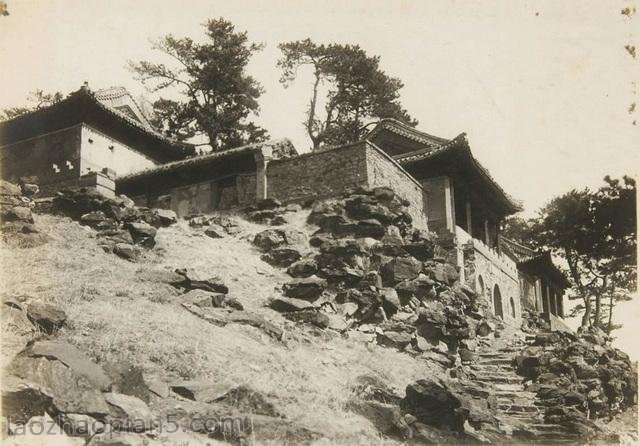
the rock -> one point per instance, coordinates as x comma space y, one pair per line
314, 317
370, 228
337, 322
79, 425
9, 189
121, 439
128, 413
142, 233
422, 250
281, 257
268, 203
435, 403
485, 328
269, 239
93, 219
303, 268
198, 220
399, 269
22, 400
286, 304
309, 288
117, 236
395, 339
202, 391
162, 276
390, 300
196, 280
127, 379
49, 318
159, 388
384, 194
247, 400
255, 320
349, 308
215, 231
166, 217
385, 417
466, 356
72, 358
70, 392
126, 251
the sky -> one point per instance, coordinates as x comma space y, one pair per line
543, 89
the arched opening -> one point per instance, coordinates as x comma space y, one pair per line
513, 307
480, 289
497, 302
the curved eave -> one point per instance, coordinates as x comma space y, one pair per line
83, 107
543, 263
459, 148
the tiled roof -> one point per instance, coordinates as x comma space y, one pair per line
26, 123
516, 251
111, 96
203, 159
402, 129
460, 142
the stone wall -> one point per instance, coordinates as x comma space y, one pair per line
333, 172
383, 171
53, 158
324, 174
493, 276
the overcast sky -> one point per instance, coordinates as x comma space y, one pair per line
542, 89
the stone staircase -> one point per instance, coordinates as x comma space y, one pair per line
518, 412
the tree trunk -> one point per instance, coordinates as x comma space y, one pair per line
312, 113
597, 315
610, 324
586, 317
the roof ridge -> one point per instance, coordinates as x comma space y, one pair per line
407, 131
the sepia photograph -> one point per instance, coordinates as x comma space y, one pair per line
319, 222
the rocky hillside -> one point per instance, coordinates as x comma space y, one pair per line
336, 323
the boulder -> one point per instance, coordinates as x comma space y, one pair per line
23, 400
268, 203
255, 320
390, 300
399, 269
128, 379
383, 194
166, 217
16, 213
9, 189
370, 228
281, 257
309, 288
49, 318
142, 233
311, 316
202, 391
93, 218
126, 251
287, 304
214, 231
269, 239
485, 328
395, 339
72, 358
70, 391
303, 268
196, 280
128, 413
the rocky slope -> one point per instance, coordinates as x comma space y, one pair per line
336, 323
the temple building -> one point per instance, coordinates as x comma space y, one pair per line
102, 139
99, 135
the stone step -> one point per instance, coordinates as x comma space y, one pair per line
498, 379
495, 361
544, 427
518, 401
514, 408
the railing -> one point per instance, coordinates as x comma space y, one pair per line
501, 261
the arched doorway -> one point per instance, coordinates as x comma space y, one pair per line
497, 302
513, 307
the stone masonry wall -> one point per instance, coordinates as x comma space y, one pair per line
333, 172
483, 272
53, 158
319, 174
382, 171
